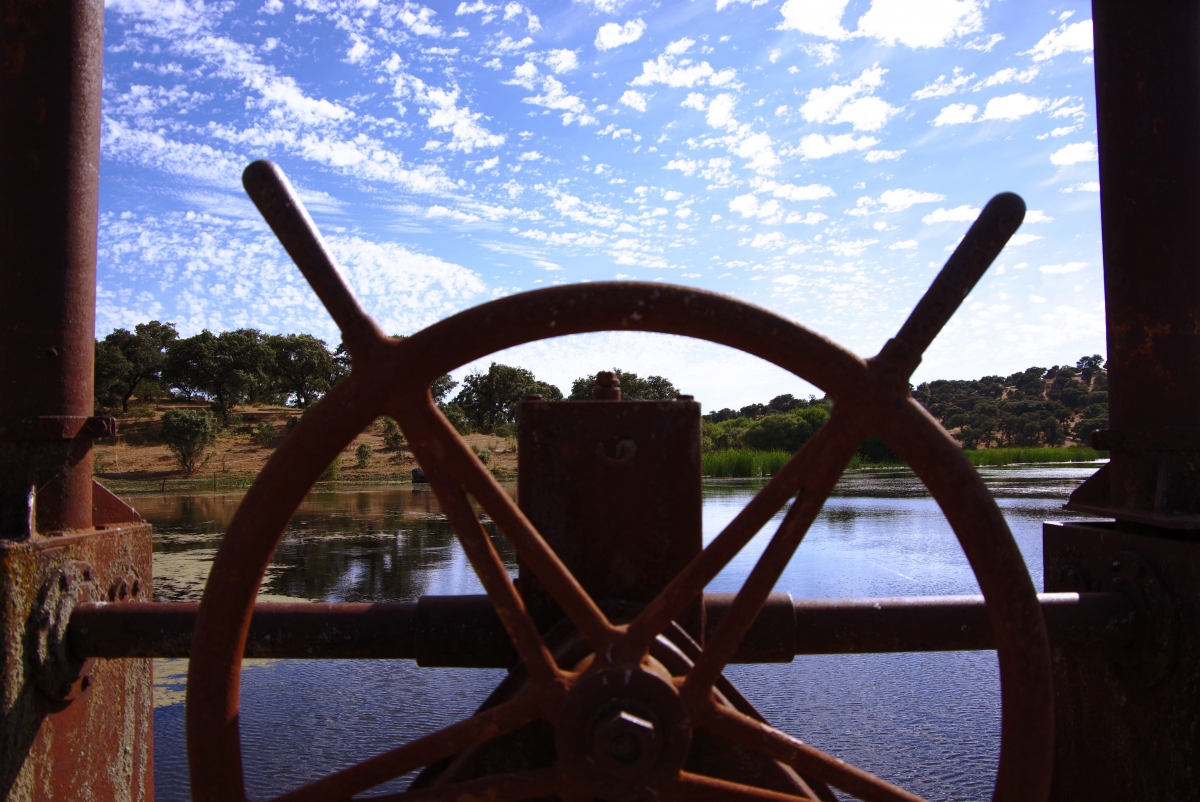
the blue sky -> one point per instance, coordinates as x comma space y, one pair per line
818, 158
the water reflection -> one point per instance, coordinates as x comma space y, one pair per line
927, 721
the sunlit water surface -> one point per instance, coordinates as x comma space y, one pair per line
928, 722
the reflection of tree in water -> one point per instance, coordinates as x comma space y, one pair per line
357, 546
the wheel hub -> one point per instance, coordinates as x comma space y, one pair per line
622, 732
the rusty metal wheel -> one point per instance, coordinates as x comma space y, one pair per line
622, 722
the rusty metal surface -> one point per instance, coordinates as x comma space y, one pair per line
49, 160
99, 744
577, 460
1128, 716
391, 377
465, 632
1148, 129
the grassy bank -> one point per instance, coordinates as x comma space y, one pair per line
1013, 456
741, 463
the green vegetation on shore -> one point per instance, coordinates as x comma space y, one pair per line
1018, 456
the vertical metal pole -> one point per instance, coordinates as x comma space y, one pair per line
1126, 718
50, 87
1148, 125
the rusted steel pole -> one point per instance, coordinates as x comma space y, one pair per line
464, 631
1148, 125
49, 168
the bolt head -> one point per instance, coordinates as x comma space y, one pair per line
624, 740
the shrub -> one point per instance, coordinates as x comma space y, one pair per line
777, 433
188, 433
393, 438
363, 453
484, 454
264, 434
874, 450
333, 472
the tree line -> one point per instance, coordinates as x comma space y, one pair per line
1035, 407
245, 366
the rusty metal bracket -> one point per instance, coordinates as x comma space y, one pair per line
1147, 656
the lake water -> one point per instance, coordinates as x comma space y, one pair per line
928, 722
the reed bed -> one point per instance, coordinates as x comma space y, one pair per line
1012, 456
742, 463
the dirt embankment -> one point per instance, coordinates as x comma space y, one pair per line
136, 460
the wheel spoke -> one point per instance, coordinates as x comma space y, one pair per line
806, 473
830, 455
529, 544
807, 760
271, 192
497, 788
510, 607
483, 726
690, 786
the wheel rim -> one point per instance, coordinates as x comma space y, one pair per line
392, 377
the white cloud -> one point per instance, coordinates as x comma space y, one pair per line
1086, 186
1074, 154
875, 156
679, 46
672, 71
818, 17
853, 103
893, 200
810, 219
359, 50
903, 245
1037, 216
720, 111
819, 146
1017, 240
748, 206
634, 99
612, 35
897, 200
217, 273
956, 114
560, 61
696, 101
508, 45
959, 214
867, 113
555, 96
443, 114
1009, 74
525, 75
1069, 267
826, 53
1013, 107
1073, 38
607, 6
1037, 299
920, 23
792, 192
529, 156
942, 87
716, 170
